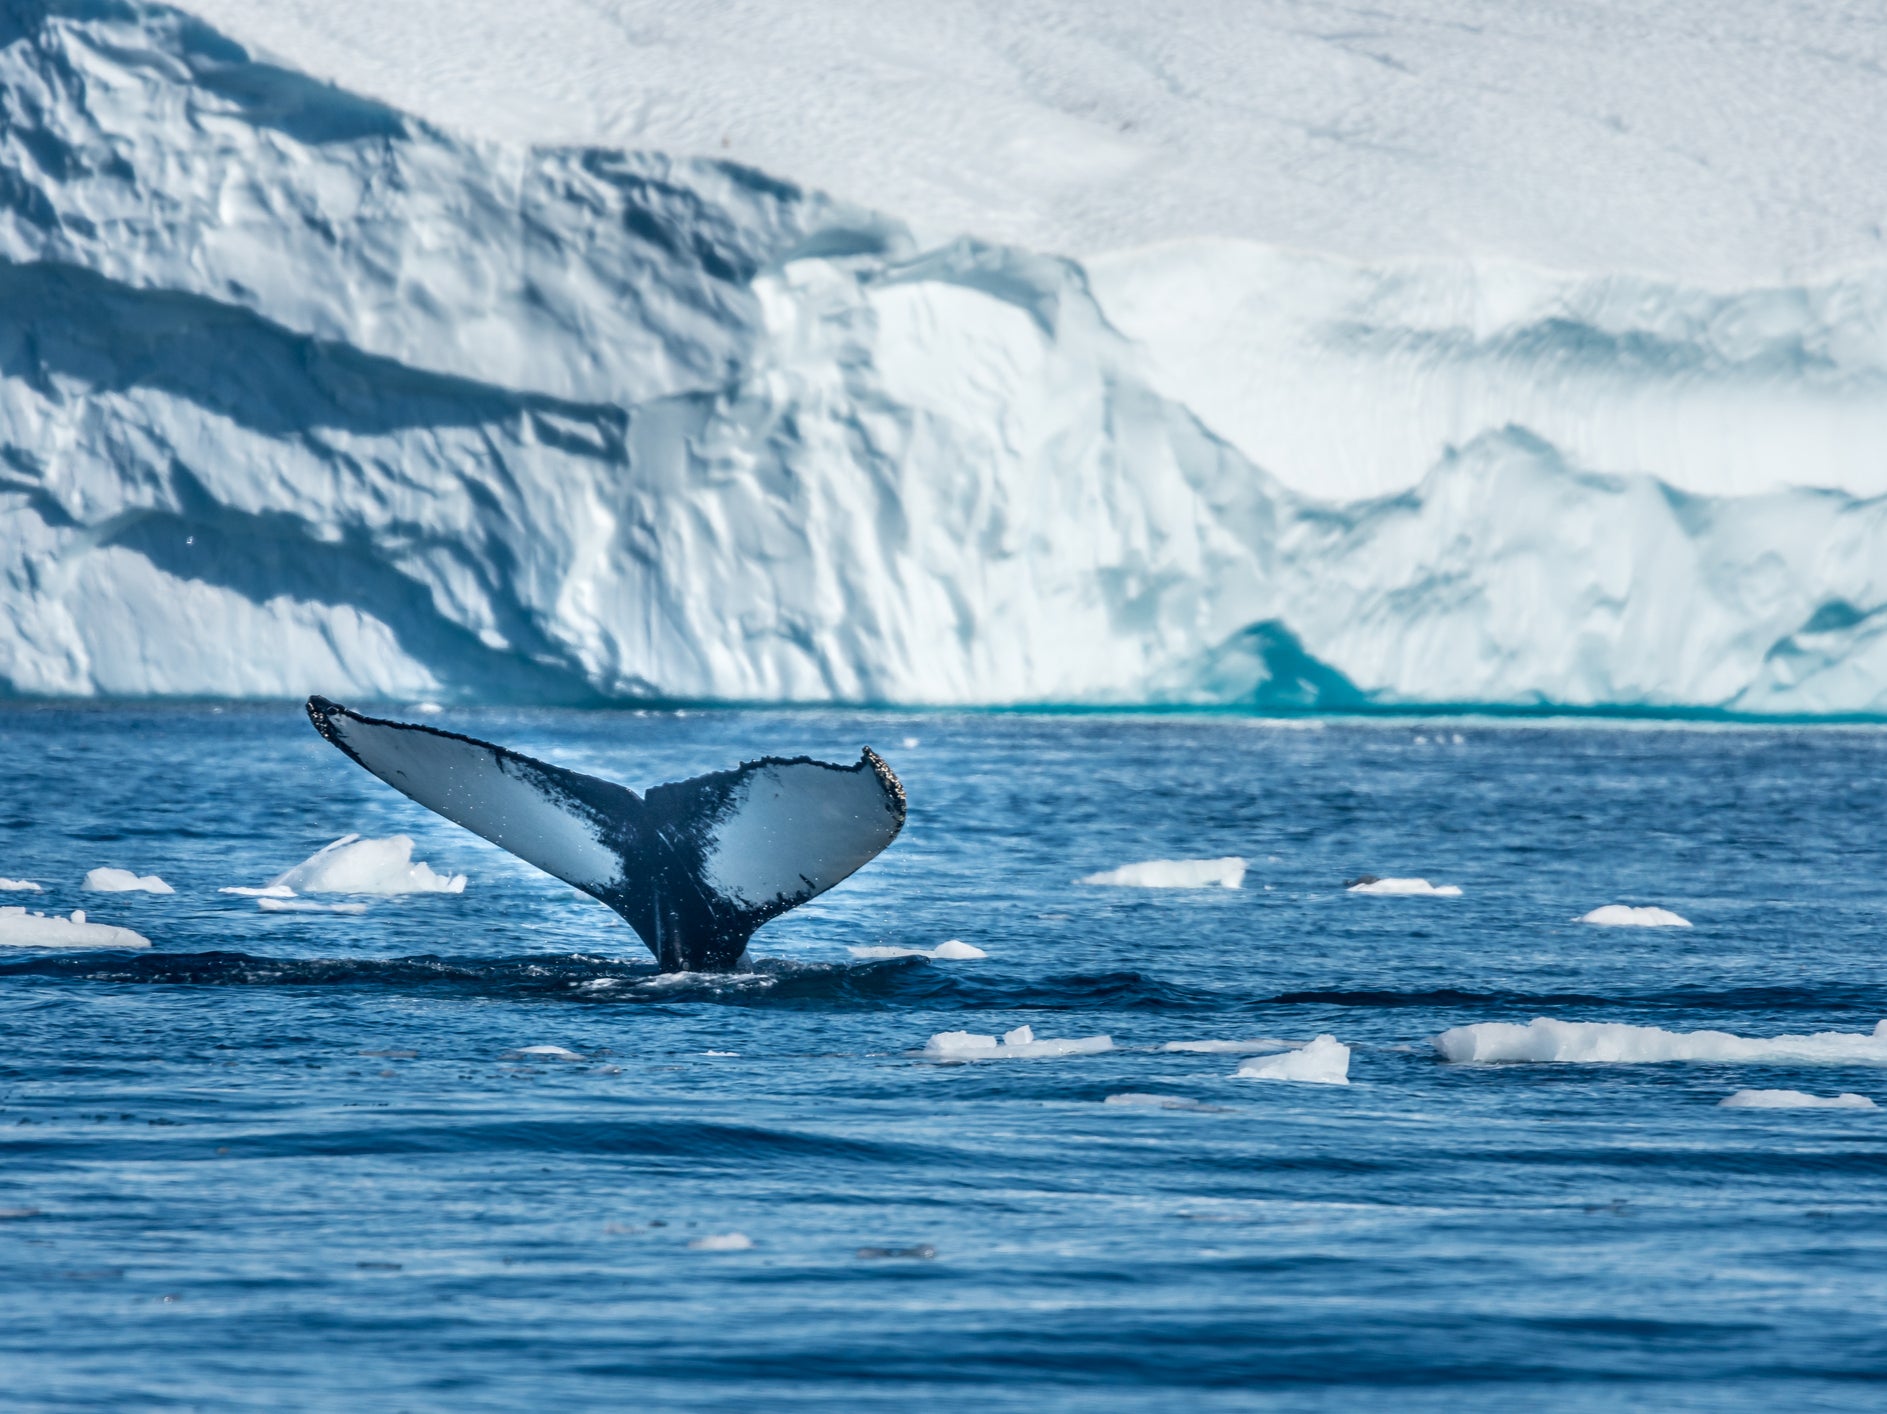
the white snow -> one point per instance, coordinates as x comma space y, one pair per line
18, 886
1228, 1048
271, 904
955, 950
965, 1046
1545, 1039
1227, 873
1414, 888
722, 1242
352, 865
1462, 357
123, 881
1795, 1100
1324, 1060
20, 929
1619, 915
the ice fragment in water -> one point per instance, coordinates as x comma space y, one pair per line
1227, 873
1618, 915
722, 1242
1324, 1060
266, 891
123, 881
1795, 1100
955, 950
1616, 1043
20, 929
966, 1046
19, 886
352, 865
1413, 888
562, 1053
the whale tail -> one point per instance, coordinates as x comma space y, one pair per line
694, 867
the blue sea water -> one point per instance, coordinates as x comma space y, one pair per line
282, 1160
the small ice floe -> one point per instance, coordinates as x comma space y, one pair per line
956, 950
731, 1055
123, 881
1228, 1048
1137, 1100
1616, 1043
20, 929
352, 865
1619, 915
1324, 1060
272, 903
722, 1242
556, 1053
965, 1046
266, 891
1227, 873
19, 886
1795, 1100
1408, 888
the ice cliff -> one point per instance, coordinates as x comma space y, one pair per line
301, 393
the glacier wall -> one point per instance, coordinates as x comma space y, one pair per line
298, 393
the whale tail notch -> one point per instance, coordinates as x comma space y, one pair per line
694, 867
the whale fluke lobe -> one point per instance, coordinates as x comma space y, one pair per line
694, 867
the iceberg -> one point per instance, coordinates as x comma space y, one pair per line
439, 413
352, 865
1405, 888
20, 929
1617, 1043
1324, 1060
1619, 915
123, 881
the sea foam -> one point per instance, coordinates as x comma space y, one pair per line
1324, 1060
20, 929
966, 1046
1619, 915
352, 865
1615, 1043
1226, 873
955, 950
123, 881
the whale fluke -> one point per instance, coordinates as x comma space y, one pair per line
694, 867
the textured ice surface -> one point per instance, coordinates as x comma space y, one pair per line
288, 376
1225, 873
955, 950
1618, 915
106, 880
1795, 1100
966, 1046
20, 929
1324, 1060
1545, 1039
19, 886
352, 865
1417, 888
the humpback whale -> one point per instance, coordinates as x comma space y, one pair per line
694, 867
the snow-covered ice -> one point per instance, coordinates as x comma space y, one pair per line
1581, 347
352, 865
19, 886
123, 881
1795, 1100
21, 929
1603, 1042
1226, 873
1412, 888
1324, 1060
1619, 915
966, 1046
955, 950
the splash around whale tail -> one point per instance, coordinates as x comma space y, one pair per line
694, 867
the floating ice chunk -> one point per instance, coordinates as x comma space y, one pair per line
966, 1046
20, 929
123, 881
270, 903
19, 886
1618, 915
266, 891
1228, 1048
1227, 873
1324, 1060
1413, 888
955, 950
562, 1053
352, 865
721, 1053
1132, 1099
1615, 1043
1795, 1100
722, 1242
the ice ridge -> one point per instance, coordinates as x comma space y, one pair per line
438, 417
